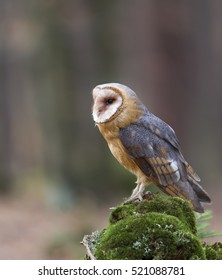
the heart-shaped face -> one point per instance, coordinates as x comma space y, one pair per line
107, 102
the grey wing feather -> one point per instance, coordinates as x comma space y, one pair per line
152, 122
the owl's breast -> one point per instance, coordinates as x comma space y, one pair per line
118, 150
111, 135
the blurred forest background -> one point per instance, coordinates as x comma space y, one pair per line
57, 176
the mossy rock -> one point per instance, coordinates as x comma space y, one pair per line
148, 236
162, 228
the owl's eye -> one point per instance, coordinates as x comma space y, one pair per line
109, 101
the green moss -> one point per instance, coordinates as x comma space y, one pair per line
148, 236
213, 252
210, 253
123, 212
173, 206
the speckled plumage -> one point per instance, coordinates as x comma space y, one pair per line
144, 144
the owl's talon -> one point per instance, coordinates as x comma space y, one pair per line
133, 199
148, 195
137, 195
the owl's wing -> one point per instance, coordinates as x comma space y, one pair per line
154, 147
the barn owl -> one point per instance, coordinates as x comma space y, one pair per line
145, 145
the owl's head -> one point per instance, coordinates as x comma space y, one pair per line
111, 100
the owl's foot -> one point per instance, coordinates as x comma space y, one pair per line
137, 195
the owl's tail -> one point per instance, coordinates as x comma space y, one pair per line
199, 195
189, 190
